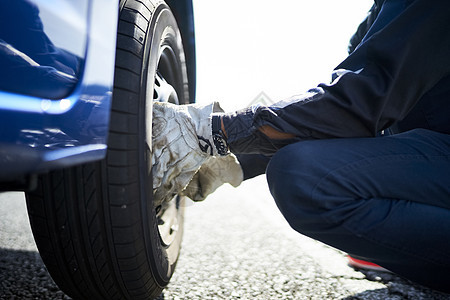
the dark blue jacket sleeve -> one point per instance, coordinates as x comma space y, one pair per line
403, 56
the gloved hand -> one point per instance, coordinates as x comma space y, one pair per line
182, 142
212, 174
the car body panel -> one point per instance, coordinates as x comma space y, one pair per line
38, 133
184, 14
46, 126
36, 54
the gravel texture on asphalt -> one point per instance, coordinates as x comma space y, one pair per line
236, 246
22, 272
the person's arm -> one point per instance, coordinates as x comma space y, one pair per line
374, 87
270, 132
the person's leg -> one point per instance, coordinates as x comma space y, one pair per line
386, 199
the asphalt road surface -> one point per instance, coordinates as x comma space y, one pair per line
236, 246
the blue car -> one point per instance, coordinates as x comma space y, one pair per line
77, 82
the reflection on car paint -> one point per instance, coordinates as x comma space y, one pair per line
31, 63
45, 127
54, 136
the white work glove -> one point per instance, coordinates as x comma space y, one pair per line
182, 142
212, 174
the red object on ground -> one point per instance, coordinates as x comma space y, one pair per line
364, 265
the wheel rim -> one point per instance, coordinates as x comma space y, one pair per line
165, 90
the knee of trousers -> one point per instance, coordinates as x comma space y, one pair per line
292, 175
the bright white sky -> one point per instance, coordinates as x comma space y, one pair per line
280, 47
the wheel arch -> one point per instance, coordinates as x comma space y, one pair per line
184, 14
183, 11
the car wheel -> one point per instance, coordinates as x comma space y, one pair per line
95, 225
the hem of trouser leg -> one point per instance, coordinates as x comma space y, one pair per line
382, 244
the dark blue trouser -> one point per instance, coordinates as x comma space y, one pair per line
386, 199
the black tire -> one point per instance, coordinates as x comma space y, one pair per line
95, 225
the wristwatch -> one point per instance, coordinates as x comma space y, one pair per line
219, 138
